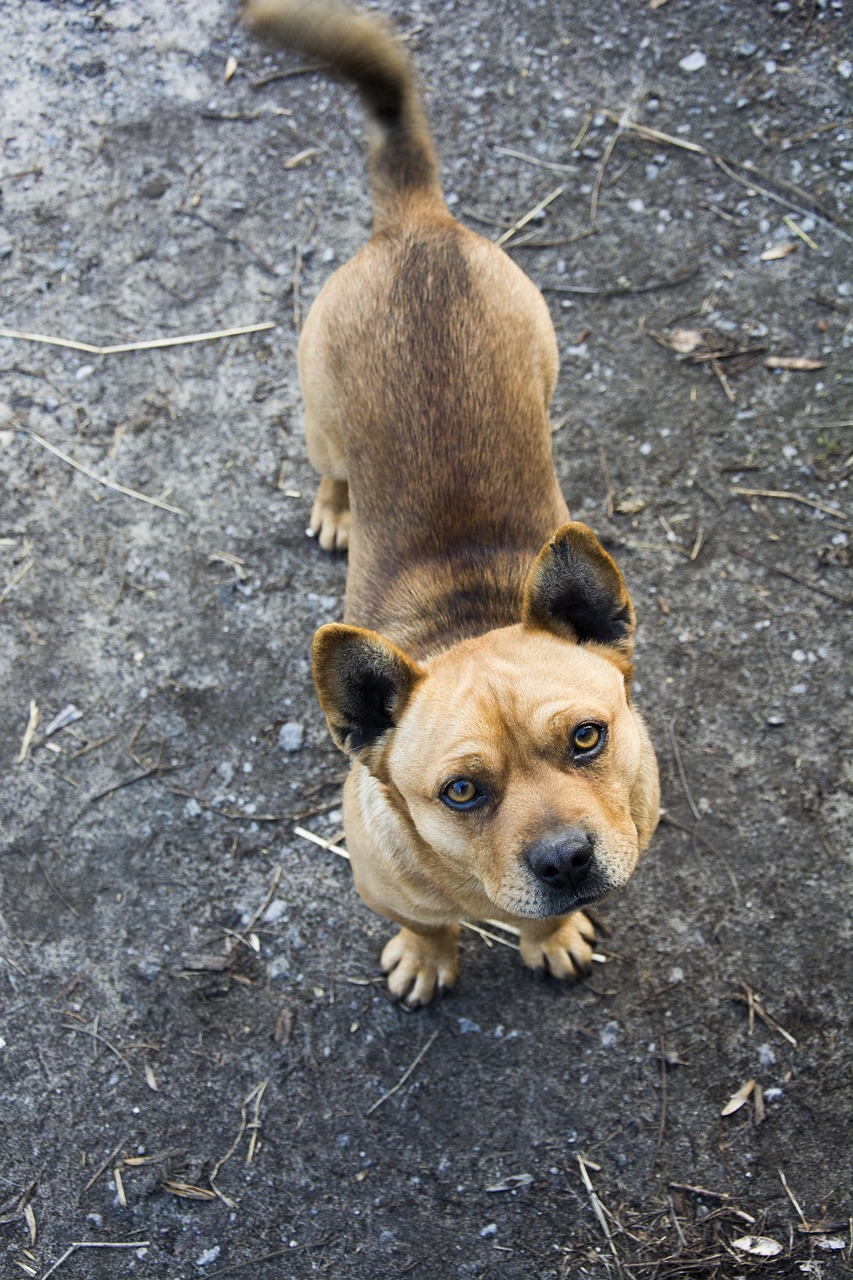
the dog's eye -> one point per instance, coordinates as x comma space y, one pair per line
586, 738
461, 793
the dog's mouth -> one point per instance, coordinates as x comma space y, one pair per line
540, 902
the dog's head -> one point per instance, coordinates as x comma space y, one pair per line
516, 756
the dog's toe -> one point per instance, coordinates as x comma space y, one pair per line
419, 966
565, 953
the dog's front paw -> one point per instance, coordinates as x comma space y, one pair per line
419, 964
566, 952
330, 515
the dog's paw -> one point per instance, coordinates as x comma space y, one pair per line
419, 965
330, 515
564, 953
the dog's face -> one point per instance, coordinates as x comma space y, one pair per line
516, 756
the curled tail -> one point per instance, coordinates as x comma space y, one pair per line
363, 49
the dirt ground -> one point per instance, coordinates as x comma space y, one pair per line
194, 1039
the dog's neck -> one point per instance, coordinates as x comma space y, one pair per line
434, 604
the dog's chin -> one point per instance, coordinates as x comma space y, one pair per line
541, 902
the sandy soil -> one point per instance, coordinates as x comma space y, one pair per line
193, 1039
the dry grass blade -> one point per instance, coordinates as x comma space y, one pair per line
151, 344
318, 840
29, 732
187, 1191
108, 484
784, 495
598, 1210
807, 203
94, 1244
529, 216
404, 1077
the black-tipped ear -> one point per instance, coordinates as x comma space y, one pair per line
575, 590
364, 683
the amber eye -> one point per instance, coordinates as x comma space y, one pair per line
586, 738
461, 793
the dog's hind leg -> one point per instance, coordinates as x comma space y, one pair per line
330, 515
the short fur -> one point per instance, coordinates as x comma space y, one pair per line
485, 633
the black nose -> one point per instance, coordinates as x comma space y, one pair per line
562, 860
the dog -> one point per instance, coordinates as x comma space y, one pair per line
481, 680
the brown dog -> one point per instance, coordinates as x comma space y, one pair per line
500, 770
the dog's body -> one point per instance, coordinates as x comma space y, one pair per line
500, 770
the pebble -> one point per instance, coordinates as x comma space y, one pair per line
609, 1034
291, 736
694, 61
209, 1255
490, 1230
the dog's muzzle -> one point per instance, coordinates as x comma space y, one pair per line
565, 869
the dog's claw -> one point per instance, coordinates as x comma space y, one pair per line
564, 953
419, 965
330, 515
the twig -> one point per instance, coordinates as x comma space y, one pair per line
231, 237
102, 1168
700, 1191
258, 1091
487, 936
728, 165
94, 1244
54, 889
528, 217
152, 344
608, 484
541, 164
324, 844
662, 1125
108, 484
404, 1077
136, 777
789, 1193
29, 733
598, 1210
794, 577
599, 177
20, 573
87, 1031
749, 998
678, 764
786, 496
267, 900
615, 291
282, 75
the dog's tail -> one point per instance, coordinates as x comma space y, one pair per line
363, 48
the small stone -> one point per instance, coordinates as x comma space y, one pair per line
85, 371
291, 736
609, 1034
192, 808
209, 1255
490, 1230
845, 69
694, 61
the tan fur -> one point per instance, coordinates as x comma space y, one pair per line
477, 640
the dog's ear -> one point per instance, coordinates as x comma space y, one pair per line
575, 590
364, 683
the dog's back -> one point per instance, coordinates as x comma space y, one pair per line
427, 365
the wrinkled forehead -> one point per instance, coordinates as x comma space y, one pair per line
510, 682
